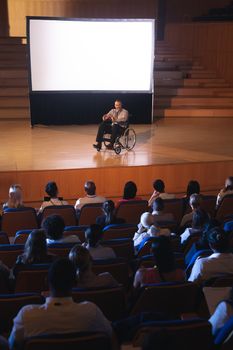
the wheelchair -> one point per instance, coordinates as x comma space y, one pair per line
125, 141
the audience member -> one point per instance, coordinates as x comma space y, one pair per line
219, 263
15, 199
195, 200
159, 191
109, 217
228, 189
130, 193
165, 268
91, 196
200, 220
52, 191
222, 313
53, 226
158, 211
85, 277
59, 314
93, 235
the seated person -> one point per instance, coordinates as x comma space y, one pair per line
35, 251
165, 268
93, 235
222, 313
85, 277
192, 187
228, 189
54, 226
109, 217
91, 196
219, 263
60, 314
158, 211
195, 203
199, 223
114, 122
159, 191
15, 198
146, 229
130, 193
52, 191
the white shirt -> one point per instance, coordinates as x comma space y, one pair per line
119, 115
161, 216
220, 316
52, 201
67, 239
58, 315
214, 265
89, 199
100, 252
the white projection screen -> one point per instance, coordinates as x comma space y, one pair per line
100, 55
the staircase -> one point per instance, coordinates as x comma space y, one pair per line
14, 100
183, 88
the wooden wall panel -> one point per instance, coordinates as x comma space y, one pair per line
211, 43
19, 9
110, 181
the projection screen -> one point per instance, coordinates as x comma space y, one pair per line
91, 55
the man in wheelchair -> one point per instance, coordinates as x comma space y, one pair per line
114, 123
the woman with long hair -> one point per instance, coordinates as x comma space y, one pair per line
15, 199
109, 217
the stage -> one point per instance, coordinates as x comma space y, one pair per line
176, 150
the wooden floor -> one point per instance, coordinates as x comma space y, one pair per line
176, 150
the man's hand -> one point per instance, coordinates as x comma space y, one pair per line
106, 117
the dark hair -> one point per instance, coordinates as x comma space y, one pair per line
93, 234
130, 190
109, 208
229, 187
81, 259
200, 218
90, 188
54, 226
158, 204
61, 276
163, 254
51, 189
218, 240
193, 187
159, 185
35, 247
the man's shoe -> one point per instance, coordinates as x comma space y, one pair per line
97, 146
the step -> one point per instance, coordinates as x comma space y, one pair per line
189, 91
12, 64
13, 48
14, 91
13, 73
193, 112
201, 75
225, 102
13, 82
14, 113
14, 101
164, 74
188, 83
11, 56
11, 40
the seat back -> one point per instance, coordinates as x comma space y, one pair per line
123, 247
171, 299
111, 301
118, 268
75, 230
60, 249
225, 208
74, 341
131, 211
209, 204
9, 253
89, 213
4, 239
178, 334
174, 206
21, 236
32, 278
10, 304
119, 231
14, 220
67, 212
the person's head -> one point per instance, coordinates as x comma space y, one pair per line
15, 196
93, 234
53, 226
51, 189
163, 254
229, 183
158, 204
195, 201
159, 186
218, 240
146, 220
90, 188
81, 259
108, 207
118, 105
200, 219
193, 187
130, 190
35, 246
61, 277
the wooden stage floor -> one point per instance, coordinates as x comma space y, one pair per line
175, 149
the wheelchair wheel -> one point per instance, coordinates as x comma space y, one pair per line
117, 148
130, 139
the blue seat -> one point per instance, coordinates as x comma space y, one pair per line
224, 337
